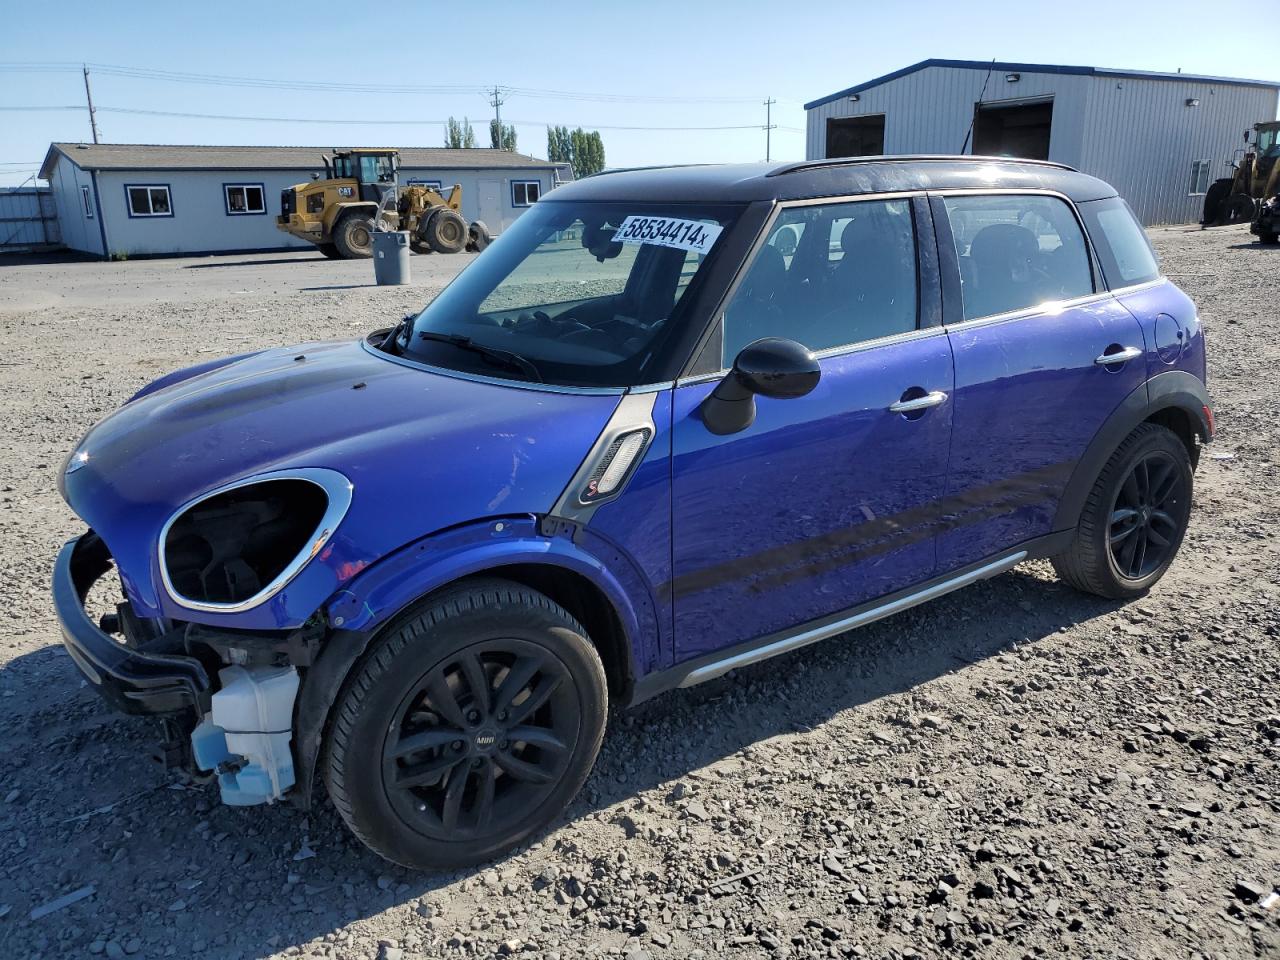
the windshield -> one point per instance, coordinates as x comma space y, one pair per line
574, 294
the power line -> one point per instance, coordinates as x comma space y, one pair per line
389, 122
210, 79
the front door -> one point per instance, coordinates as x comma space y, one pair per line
1033, 382
491, 205
826, 500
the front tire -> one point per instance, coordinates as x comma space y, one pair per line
353, 236
330, 250
470, 724
1134, 519
446, 231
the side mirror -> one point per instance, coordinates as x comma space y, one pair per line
771, 367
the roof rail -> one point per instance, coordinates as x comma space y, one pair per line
653, 166
895, 158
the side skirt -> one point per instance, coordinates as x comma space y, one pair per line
717, 664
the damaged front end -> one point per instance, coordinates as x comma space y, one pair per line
225, 698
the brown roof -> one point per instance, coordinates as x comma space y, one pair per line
146, 156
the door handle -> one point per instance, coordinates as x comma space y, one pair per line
919, 403
1120, 356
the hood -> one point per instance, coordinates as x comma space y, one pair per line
422, 450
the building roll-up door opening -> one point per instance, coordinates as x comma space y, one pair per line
855, 136
1013, 129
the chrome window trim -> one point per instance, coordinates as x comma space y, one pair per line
922, 333
1039, 310
338, 490
1130, 288
762, 238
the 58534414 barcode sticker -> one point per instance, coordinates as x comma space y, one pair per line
669, 232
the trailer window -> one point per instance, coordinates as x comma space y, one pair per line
148, 200
244, 198
525, 193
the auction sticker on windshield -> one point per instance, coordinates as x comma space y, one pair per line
669, 232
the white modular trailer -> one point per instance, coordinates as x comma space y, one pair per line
1159, 138
147, 200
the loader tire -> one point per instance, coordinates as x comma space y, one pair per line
446, 231
1240, 208
1215, 202
478, 236
353, 236
330, 250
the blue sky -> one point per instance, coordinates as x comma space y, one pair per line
710, 65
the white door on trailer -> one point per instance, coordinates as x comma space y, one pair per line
491, 205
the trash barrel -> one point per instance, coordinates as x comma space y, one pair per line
391, 257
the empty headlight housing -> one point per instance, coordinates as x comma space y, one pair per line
238, 545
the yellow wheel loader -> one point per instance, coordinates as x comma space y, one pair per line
1253, 195
340, 212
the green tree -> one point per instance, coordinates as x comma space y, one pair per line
559, 147
502, 138
587, 152
459, 135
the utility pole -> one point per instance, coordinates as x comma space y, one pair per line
769, 127
93, 116
497, 103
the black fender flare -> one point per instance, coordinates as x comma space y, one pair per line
1174, 389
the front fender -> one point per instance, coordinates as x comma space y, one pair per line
393, 583
380, 592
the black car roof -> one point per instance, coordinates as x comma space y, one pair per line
828, 178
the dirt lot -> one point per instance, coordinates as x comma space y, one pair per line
1016, 770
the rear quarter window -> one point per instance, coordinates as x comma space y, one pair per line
1121, 243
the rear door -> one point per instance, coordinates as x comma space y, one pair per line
825, 501
1043, 356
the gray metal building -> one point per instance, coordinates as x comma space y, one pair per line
140, 199
1159, 138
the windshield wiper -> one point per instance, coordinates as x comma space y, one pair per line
506, 357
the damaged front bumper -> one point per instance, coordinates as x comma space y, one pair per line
129, 679
237, 729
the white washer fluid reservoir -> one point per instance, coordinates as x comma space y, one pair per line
248, 733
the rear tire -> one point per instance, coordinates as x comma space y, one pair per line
1269, 237
446, 231
353, 236
467, 728
1134, 519
330, 250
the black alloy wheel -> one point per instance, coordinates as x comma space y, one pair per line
481, 739
1134, 517
1148, 516
467, 727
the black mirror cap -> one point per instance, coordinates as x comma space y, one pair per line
777, 368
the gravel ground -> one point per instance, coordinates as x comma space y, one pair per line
1015, 770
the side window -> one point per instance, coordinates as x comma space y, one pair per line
1126, 255
1017, 252
148, 200
244, 198
828, 276
1199, 178
525, 193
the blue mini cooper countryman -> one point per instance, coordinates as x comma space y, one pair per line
674, 421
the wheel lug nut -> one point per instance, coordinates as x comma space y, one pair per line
502, 714
475, 763
458, 745
503, 745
